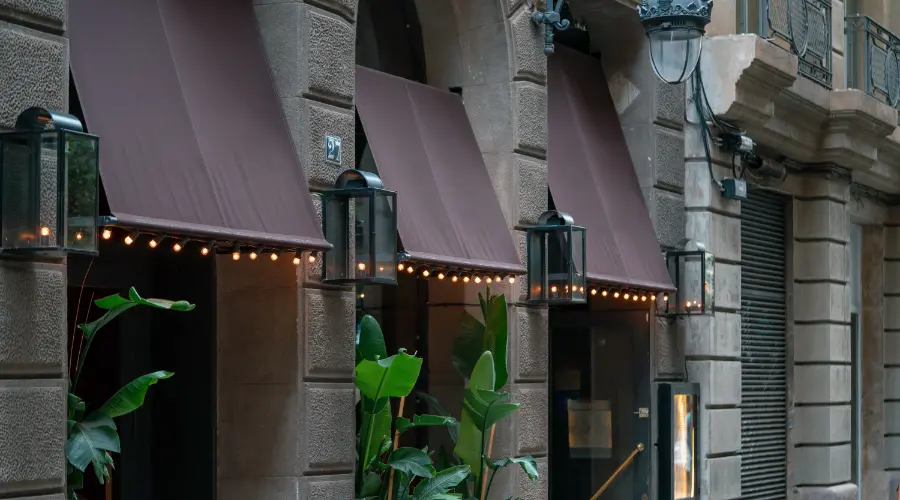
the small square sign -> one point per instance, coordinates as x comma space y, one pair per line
333, 149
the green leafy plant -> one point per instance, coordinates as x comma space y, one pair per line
386, 472
92, 436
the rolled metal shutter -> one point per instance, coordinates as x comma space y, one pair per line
763, 347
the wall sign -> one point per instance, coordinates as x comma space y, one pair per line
333, 149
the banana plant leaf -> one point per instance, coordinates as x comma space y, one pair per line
370, 342
89, 441
487, 407
476, 336
375, 429
437, 487
116, 305
412, 462
470, 445
404, 424
131, 397
527, 463
392, 377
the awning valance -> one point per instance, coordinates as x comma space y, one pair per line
193, 138
592, 177
425, 149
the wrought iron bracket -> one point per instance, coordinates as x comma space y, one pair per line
552, 20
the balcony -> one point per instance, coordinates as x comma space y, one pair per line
873, 60
802, 27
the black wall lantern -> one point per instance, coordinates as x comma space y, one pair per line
693, 272
675, 29
679, 406
360, 220
556, 260
49, 185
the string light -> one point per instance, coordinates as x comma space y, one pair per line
426, 273
643, 298
253, 255
465, 279
153, 242
616, 294
477, 279
488, 280
653, 297
666, 297
107, 233
205, 249
312, 257
441, 276
593, 291
604, 292
45, 231
400, 266
498, 278
635, 297
454, 278
512, 280
410, 269
361, 266
273, 256
179, 245
362, 295
236, 252
131, 237
297, 259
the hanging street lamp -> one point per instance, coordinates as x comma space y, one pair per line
675, 29
49, 185
556, 260
359, 218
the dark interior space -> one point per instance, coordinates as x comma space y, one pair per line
168, 446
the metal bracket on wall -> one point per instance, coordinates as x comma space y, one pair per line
551, 18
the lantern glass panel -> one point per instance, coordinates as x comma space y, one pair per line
709, 282
337, 224
82, 191
693, 273
579, 280
565, 281
385, 248
536, 266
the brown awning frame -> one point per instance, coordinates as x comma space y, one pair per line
425, 149
194, 144
592, 177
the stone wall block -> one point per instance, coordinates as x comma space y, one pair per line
820, 260
718, 336
721, 234
32, 436
488, 108
701, 193
728, 286
721, 431
270, 488
310, 122
720, 381
720, 478
824, 343
669, 103
892, 277
52, 13
822, 384
892, 347
33, 330
258, 430
892, 452
892, 417
532, 184
485, 53
330, 319
818, 425
667, 210
820, 219
892, 242
532, 426
328, 439
258, 335
821, 302
892, 313
822, 465
35, 69
527, 47
892, 382
669, 158
529, 112
819, 187
336, 487
530, 345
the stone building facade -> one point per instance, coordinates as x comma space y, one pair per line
285, 424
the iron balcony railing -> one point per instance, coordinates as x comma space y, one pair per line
801, 26
873, 59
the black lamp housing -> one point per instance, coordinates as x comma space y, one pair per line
359, 218
49, 185
556, 260
679, 407
693, 272
675, 30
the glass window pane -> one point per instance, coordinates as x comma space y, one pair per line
536, 265
385, 236
578, 271
336, 223
82, 185
683, 453
362, 229
690, 283
559, 265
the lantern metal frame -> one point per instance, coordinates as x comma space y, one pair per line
32, 126
671, 15
352, 184
668, 425
556, 222
552, 20
706, 263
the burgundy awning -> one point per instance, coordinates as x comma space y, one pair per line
193, 138
592, 177
424, 149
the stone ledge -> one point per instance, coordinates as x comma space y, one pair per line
52, 14
840, 492
857, 124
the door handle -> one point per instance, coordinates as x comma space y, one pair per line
637, 449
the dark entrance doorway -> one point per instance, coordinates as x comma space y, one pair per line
600, 398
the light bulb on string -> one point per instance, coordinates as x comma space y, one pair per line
236, 252
131, 237
312, 257
477, 279
297, 260
401, 266
488, 280
626, 296
553, 289
465, 279
604, 292
253, 255
153, 242
426, 273
498, 278
441, 276
643, 298
593, 291
635, 297
180, 244
107, 233
653, 297
512, 280
361, 266
616, 294
410, 269
207, 248
45, 231
666, 298
454, 278
273, 256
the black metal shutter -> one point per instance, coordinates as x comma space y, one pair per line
763, 347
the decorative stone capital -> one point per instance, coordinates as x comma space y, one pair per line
857, 126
